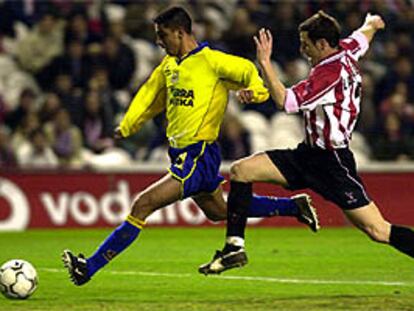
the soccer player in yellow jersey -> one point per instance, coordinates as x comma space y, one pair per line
191, 84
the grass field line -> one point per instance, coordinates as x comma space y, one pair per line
251, 278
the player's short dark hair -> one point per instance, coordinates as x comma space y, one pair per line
322, 26
175, 17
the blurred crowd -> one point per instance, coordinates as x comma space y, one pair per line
69, 69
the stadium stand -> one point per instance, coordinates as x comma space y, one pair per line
69, 70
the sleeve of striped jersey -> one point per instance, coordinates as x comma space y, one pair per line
149, 101
356, 45
318, 89
239, 73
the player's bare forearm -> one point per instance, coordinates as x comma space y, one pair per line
264, 44
276, 88
371, 25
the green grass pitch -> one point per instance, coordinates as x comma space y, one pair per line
289, 269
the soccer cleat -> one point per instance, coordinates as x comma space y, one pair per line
224, 260
76, 266
307, 213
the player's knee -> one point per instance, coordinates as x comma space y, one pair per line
377, 233
217, 216
238, 171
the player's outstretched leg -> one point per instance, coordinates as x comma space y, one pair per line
163, 192
81, 269
369, 219
299, 206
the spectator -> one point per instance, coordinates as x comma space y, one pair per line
234, 139
33, 36
393, 143
41, 45
397, 103
212, 35
99, 82
20, 11
65, 139
27, 104
158, 142
295, 71
119, 61
258, 12
37, 153
7, 156
138, 19
77, 29
285, 23
20, 136
97, 125
73, 62
402, 71
70, 97
238, 37
50, 106
367, 117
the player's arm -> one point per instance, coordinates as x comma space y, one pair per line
357, 44
147, 103
318, 89
371, 25
264, 44
239, 74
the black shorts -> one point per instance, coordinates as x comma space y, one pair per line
330, 173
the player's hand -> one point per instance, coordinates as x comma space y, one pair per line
264, 45
375, 21
245, 96
117, 133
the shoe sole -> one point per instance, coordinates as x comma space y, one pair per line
67, 262
315, 227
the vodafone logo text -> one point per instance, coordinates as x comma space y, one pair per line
112, 208
26, 204
85, 209
83, 200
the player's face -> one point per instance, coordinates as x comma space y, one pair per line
168, 39
308, 48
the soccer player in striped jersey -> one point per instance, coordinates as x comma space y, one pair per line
191, 84
329, 100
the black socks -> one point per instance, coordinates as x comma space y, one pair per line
402, 238
237, 207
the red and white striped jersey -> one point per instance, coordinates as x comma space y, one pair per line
330, 98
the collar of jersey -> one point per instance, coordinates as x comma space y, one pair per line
331, 57
201, 46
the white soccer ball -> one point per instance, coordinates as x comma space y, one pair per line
18, 279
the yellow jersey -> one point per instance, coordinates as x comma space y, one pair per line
194, 92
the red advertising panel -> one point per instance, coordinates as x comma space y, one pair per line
86, 199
